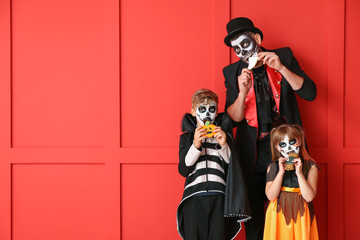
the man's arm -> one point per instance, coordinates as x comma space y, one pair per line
236, 111
273, 61
296, 78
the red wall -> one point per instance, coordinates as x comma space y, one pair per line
92, 94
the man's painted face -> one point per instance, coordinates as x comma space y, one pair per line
286, 146
244, 46
206, 112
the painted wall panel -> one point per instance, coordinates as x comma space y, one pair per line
351, 201
78, 76
57, 73
59, 201
352, 50
165, 58
320, 202
150, 196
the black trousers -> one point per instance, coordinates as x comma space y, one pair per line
204, 218
254, 228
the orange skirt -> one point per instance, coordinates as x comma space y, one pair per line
290, 217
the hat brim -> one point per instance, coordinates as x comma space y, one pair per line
240, 30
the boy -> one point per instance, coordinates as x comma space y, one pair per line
206, 163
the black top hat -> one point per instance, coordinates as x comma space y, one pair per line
238, 25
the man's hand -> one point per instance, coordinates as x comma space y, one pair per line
270, 59
220, 136
200, 134
244, 82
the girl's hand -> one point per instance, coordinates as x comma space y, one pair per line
282, 160
298, 166
199, 136
220, 136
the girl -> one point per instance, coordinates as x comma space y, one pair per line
290, 213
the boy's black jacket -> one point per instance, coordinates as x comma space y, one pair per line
236, 199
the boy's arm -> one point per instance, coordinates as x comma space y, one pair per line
225, 153
192, 156
222, 137
187, 154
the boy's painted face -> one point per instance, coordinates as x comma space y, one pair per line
245, 46
286, 146
206, 112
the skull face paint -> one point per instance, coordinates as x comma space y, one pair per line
287, 146
206, 112
244, 46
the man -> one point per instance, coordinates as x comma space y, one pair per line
258, 100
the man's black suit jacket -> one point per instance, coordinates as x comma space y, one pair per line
246, 135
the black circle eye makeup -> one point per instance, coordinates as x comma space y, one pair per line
245, 43
202, 109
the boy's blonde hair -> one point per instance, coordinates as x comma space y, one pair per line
204, 96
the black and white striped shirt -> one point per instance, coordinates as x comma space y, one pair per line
208, 168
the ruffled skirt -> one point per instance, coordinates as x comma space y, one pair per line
290, 217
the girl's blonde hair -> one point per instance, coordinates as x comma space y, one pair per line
292, 131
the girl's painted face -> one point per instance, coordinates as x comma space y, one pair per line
244, 46
206, 112
286, 146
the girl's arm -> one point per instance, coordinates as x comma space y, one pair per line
272, 189
308, 186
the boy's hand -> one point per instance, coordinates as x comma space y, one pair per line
220, 136
200, 134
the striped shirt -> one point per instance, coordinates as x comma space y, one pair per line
210, 167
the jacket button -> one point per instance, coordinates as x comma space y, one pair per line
277, 95
279, 82
247, 120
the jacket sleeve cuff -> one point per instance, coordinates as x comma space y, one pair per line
307, 90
